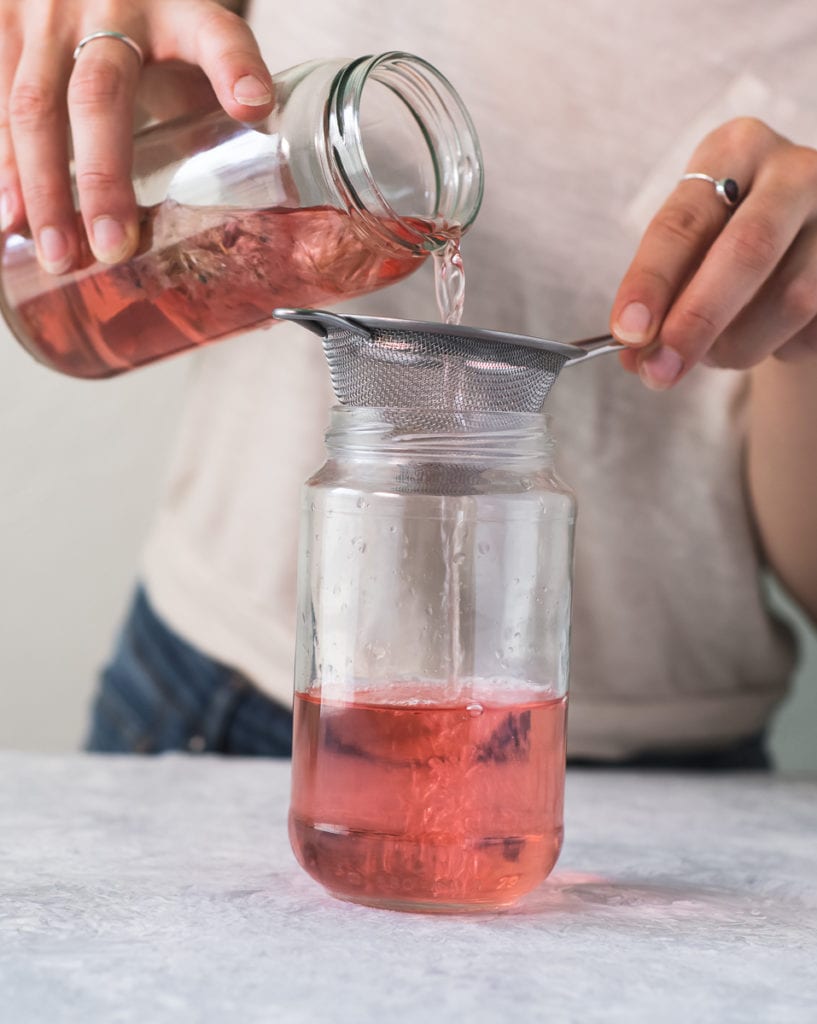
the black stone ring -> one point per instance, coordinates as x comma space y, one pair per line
727, 188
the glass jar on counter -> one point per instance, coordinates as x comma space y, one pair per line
362, 169
432, 659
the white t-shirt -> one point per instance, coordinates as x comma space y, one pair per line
587, 113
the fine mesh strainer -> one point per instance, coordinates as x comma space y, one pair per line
414, 364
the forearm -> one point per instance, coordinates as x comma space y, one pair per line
782, 472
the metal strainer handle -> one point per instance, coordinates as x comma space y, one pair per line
599, 345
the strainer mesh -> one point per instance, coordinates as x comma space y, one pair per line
414, 369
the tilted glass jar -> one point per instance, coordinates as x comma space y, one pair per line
432, 659
363, 168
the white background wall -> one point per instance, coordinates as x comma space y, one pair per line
80, 468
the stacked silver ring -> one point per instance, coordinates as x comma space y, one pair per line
106, 34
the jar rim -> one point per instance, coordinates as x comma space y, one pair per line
444, 123
395, 431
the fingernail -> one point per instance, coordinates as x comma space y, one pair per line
6, 210
55, 255
110, 239
251, 91
633, 324
661, 368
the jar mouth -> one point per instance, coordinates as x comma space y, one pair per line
439, 434
439, 136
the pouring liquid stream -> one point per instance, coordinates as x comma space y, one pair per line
449, 285
449, 280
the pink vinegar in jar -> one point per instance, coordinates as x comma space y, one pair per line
201, 274
423, 805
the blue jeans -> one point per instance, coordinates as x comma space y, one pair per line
159, 694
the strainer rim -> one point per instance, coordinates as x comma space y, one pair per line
379, 323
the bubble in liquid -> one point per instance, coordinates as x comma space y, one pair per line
474, 709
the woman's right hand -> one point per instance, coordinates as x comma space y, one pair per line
48, 101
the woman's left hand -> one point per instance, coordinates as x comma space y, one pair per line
726, 288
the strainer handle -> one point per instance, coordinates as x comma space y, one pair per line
321, 321
600, 345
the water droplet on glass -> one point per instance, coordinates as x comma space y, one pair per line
459, 558
362, 503
484, 547
474, 710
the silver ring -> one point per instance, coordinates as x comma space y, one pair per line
727, 188
137, 49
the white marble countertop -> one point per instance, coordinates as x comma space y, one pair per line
159, 890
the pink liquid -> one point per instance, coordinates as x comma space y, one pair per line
202, 274
424, 806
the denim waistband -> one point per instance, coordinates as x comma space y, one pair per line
158, 693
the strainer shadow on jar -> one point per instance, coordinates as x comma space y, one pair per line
433, 624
